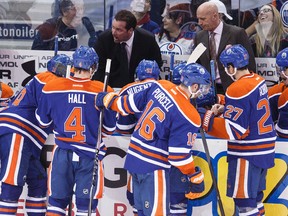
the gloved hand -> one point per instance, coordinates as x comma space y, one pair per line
207, 118
105, 99
196, 184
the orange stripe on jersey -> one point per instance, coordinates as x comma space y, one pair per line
186, 107
20, 124
30, 204
52, 214
177, 157
18, 141
218, 129
241, 180
187, 169
147, 153
160, 199
129, 183
242, 147
276, 89
233, 89
283, 98
8, 210
100, 181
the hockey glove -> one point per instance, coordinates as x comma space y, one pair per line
207, 118
196, 184
105, 99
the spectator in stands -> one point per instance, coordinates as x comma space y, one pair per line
66, 27
268, 35
141, 10
175, 16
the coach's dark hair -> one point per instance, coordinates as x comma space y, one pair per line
128, 17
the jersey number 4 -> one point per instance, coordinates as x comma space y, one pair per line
74, 124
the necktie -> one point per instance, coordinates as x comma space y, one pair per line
124, 58
212, 46
212, 49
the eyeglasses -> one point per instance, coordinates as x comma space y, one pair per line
265, 10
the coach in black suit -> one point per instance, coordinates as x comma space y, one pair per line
140, 44
210, 21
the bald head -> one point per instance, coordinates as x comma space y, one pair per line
208, 17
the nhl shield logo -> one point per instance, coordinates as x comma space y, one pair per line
147, 204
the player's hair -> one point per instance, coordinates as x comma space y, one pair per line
128, 17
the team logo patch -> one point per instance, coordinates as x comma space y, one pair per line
171, 48
283, 55
284, 13
85, 191
147, 204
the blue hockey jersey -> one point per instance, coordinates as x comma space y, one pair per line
19, 117
126, 124
69, 103
247, 122
166, 131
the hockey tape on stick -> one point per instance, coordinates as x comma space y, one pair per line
99, 139
213, 77
197, 52
56, 45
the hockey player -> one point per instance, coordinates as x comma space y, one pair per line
147, 72
21, 142
279, 95
6, 93
248, 126
155, 144
69, 104
275, 91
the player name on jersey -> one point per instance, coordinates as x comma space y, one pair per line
76, 98
138, 88
163, 99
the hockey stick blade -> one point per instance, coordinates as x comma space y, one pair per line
197, 52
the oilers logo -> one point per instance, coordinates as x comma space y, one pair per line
169, 48
284, 13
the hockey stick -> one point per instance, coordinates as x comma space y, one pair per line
171, 66
56, 45
197, 52
205, 145
213, 77
99, 138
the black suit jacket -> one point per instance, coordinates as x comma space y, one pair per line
230, 35
144, 47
